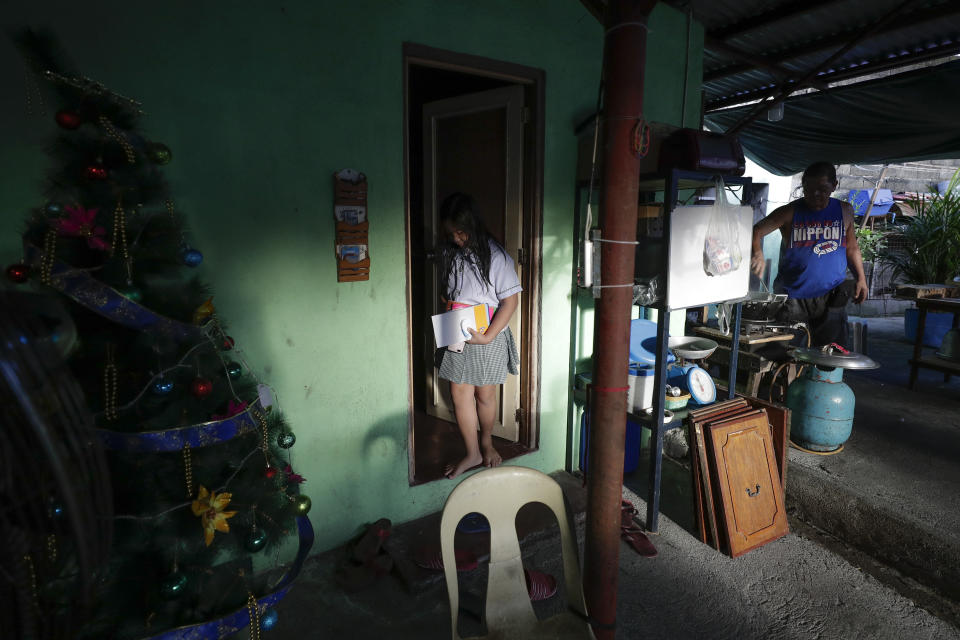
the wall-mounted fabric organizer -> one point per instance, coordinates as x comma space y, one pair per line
350, 211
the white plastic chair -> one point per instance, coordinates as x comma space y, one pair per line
498, 494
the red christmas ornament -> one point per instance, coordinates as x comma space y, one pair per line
227, 343
68, 119
96, 172
18, 273
201, 387
269, 472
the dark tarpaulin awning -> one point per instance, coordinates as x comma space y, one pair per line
911, 116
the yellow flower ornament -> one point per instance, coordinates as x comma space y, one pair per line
210, 507
204, 311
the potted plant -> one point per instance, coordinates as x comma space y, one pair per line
872, 243
928, 252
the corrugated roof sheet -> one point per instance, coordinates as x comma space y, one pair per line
784, 39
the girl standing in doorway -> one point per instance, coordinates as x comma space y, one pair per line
477, 270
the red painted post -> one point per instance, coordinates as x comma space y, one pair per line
623, 65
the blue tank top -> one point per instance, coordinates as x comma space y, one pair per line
813, 259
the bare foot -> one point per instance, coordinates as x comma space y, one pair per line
469, 462
490, 456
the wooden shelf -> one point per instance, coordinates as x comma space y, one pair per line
688, 180
920, 361
938, 364
951, 305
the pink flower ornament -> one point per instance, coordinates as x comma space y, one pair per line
233, 408
81, 223
291, 476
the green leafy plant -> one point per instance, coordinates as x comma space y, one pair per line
928, 247
872, 243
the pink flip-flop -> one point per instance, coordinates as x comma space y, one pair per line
431, 558
638, 541
540, 585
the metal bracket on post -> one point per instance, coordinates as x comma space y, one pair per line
594, 245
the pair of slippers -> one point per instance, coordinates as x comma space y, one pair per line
632, 534
366, 558
540, 585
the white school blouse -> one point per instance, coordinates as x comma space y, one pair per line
465, 287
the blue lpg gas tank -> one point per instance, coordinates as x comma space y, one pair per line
820, 402
822, 409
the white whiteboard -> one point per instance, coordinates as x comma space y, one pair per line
688, 284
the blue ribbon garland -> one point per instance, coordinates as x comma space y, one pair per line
98, 297
234, 622
198, 435
91, 293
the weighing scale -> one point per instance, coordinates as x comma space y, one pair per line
691, 378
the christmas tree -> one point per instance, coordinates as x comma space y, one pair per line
207, 508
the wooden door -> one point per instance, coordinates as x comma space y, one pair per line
473, 144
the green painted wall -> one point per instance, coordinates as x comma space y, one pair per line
260, 103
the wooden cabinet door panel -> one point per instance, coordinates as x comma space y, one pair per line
747, 480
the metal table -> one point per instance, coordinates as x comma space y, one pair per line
754, 364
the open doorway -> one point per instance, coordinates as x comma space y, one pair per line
472, 125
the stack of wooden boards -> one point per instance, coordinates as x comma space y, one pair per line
738, 453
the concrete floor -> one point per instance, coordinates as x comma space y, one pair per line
893, 491
874, 549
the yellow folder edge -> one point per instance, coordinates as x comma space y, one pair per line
481, 317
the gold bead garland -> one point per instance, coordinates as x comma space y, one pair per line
118, 137
46, 261
110, 385
120, 234
27, 560
188, 469
92, 87
264, 445
30, 81
254, 616
173, 220
52, 548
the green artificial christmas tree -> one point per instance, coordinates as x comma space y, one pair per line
207, 508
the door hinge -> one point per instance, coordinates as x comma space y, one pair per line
521, 257
519, 416
524, 115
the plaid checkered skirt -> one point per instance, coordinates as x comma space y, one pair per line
482, 364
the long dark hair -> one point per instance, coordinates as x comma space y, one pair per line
458, 210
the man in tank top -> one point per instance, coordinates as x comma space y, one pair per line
818, 244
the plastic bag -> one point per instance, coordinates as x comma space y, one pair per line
646, 292
721, 246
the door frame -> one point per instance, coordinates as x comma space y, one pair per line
533, 80
503, 103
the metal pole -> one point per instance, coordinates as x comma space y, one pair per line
873, 197
623, 71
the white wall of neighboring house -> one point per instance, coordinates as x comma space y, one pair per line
779, 194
